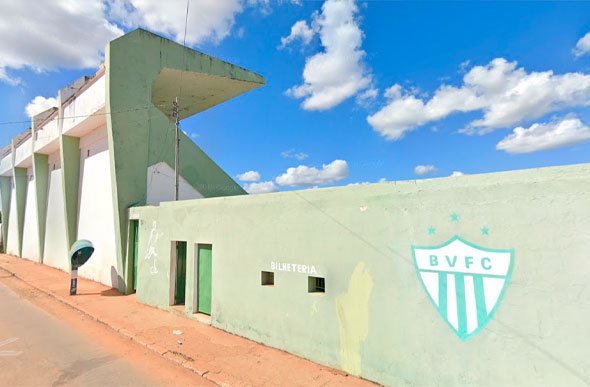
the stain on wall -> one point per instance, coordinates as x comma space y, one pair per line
353, 318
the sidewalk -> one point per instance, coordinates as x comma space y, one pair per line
218, 356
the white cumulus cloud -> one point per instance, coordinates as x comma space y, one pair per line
424, 169
583, 46
457, 173
504, 93
39, 104
337, 73
207, 19
303, 176
249, 176
262, 187
542, 136
299, 30
48, 35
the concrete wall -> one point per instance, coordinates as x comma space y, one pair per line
95, 214
56, 245
160, 186
375, 319
31, 227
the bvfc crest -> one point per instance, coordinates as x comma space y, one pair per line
465, 282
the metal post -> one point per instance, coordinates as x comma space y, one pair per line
176, 150
74, 282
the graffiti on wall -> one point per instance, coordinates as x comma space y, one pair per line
465, 282
152, 253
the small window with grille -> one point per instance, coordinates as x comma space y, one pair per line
316, 285
267, 278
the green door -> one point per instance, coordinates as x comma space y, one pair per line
180, 273
204, 291
135, 252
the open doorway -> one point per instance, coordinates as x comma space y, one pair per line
177, 273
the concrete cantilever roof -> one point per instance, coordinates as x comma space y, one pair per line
197, 91
200, 82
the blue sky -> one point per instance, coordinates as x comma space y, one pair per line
361, 91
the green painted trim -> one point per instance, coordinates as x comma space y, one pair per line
128, 275
442, 295
41, 173
69, 153
480, 300
70, 167
119, 213
461, 307
5, 185
508, 276
20, 188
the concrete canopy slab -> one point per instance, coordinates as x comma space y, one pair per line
197, 91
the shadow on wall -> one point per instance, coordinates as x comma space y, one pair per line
116, 279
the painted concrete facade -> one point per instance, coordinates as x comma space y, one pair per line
31, 227
80, 166
375, 319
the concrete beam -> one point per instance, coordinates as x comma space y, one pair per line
70, 166
41, 172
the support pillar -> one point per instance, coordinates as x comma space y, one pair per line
5, 185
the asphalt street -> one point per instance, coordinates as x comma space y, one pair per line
37, 349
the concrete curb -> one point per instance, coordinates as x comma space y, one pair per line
162, 352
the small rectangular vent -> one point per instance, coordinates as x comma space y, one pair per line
316, 285
267, 278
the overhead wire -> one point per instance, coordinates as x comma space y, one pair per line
57, 118
161, 155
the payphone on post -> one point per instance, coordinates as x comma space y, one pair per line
80, 252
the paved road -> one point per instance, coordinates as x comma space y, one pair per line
37, 349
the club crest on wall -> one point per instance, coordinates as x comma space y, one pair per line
465, 282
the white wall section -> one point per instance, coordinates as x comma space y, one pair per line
95, 213
23, 152
160, 186
56, 244
6, 164
31, 228
88, 102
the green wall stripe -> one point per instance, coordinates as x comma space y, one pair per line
70, 167
442, 294
41, 171
5, 184
20, 188
480, 300
461, 306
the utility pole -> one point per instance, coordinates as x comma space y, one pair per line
176, 148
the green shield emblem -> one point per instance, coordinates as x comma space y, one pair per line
464, 282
